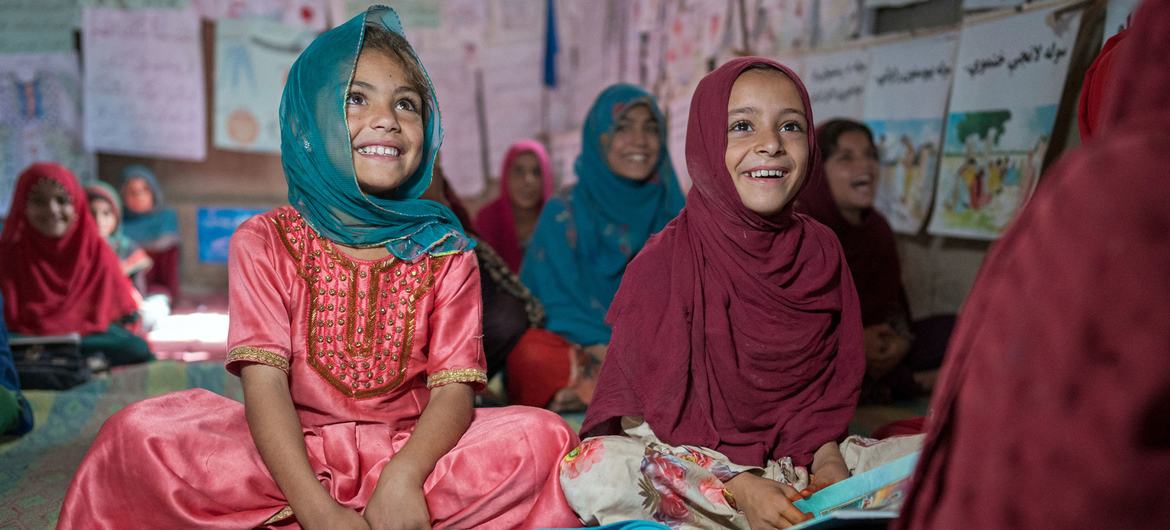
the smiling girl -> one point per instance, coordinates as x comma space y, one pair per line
356, 328
736, 356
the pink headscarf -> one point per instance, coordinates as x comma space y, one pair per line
494, 222
1053, 409
733, 331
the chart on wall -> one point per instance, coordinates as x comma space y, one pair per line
906, 106
144, 83
252, 59
1008, 80
40, 117
836, 83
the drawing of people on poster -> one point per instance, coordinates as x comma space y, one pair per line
1009, 76
905, 107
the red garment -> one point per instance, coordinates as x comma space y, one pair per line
1098, 85
69, 284
1054, 406
538, 367
870, 250
732, 331
495, 222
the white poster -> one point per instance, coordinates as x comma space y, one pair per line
1009, 76
309, 14
144, 83
252, 59
40, 117
906, 107
836, 83
1117, 17
678, 109
780, 25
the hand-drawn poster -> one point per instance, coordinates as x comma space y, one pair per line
836, 83
779, 25
252, 59
514, 21
837, 21
1008, 79
309, 14
677, 111
414, 13
906, 106
40, 117
143, 77
37, 25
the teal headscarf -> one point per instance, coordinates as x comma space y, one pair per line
318, 160
586, 235
146, 227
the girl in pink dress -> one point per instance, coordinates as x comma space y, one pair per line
356, 330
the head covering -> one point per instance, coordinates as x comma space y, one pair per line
734, 331
123, 246
869, 248
59, 285
159, 222
495, 221
317, 155
1057, 379
1099, 84
587, 234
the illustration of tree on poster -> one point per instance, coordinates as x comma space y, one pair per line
1009, 76
906, 106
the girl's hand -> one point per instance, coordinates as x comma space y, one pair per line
333, 516
766, 503
398, 504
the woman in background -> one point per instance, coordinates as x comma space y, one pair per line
526, 182
626, 190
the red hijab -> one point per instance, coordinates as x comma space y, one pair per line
495, 222
73, 283
869, 248
733, 331
1053, 409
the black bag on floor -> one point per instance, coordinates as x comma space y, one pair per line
50, 363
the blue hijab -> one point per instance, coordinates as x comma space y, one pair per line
587, 234
317, 156
156, 224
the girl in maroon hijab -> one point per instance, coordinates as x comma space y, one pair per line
1053, 409
902, 358
58, 274
525, 183
736, 357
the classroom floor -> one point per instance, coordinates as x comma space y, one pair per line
36, 469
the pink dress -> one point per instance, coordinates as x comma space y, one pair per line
360, 366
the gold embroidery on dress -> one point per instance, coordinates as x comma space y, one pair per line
462, 375
373, 350
277, 517
258, 355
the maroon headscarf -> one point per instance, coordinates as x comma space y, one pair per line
1053, 409
869, 248
51, 286
495, 221
733, 331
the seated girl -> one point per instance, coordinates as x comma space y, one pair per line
902, 358
153, 226
106, 207
737, 356
526, 182
626, 190
59, 276
356, 331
